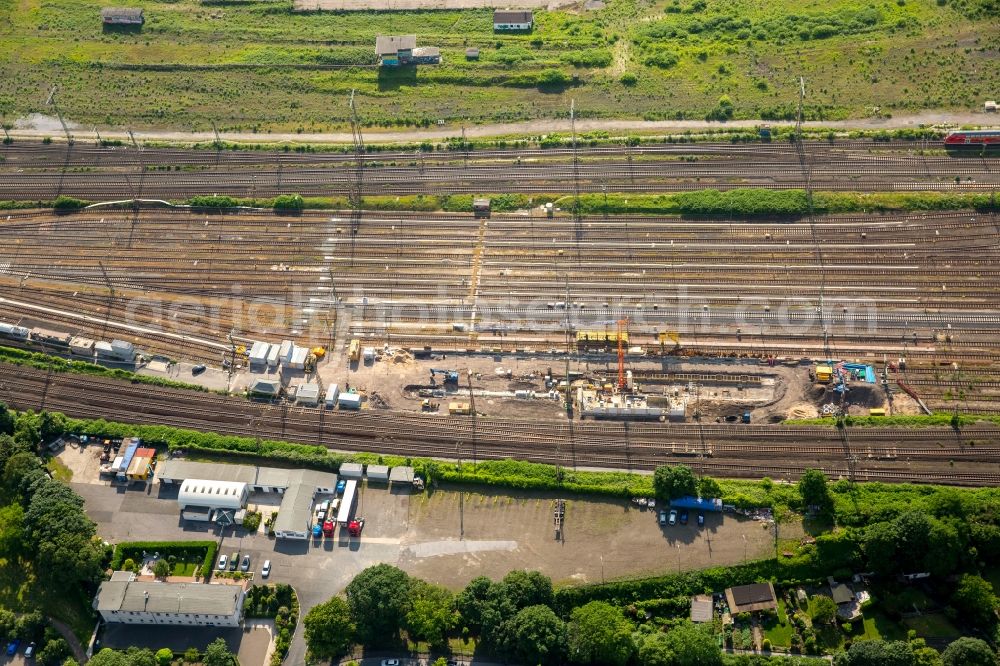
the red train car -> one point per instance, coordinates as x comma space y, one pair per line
977, 139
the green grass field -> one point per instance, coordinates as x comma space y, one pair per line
657, 60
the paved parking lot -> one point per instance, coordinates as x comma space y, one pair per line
447, 537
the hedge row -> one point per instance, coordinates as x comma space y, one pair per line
43, 361
133, 550
936, 420
674, 586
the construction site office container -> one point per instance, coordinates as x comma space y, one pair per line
351, 470
104, 350
285, 351
258, 353
127, 457
273, 356
331, 395
123, 350
378, 473
298, 360
308, 395
369, 354
349, 401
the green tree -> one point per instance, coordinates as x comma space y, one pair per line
654, 650
7, 623
709, 487
70, 661
108, 657
526, 588
814, 491
191, 655
11, 531
692, 645
472, 601
598, 633
432, 614
379, 598
136, 656
6, 420
29, 626
329, 629
822, 609
217, 654
54, 652
879, 546
673, 482
968, 651
162, 568
535, 635
164, 655
975, 599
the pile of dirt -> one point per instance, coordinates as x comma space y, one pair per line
402, 356
803, 410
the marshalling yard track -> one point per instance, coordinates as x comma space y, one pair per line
872, 287
39, 171
934, 455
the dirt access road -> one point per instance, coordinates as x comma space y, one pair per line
38, 125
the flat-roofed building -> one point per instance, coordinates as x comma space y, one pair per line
125, 599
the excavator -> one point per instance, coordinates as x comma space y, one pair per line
450, 376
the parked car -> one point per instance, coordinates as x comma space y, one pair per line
29, 651
223, 561
234, 561
341, 484
198, 369
663, 517
673, 517
701, 519
245, 564
390, 662
12, 647
265, 570
684, 517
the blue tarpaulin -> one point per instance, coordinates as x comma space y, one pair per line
696, 503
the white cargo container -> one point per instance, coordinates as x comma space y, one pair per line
123, 350
378, 473
331, 395
285, 351
307, 395
349, 401
298, 359
104, 350
273, 356
258, 354
368, 354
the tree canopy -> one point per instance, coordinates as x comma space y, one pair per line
975, 600
379, 599
432, 614
329, 629
686, 644
599, 633
535, 635
673, 482
967, 651
814, 491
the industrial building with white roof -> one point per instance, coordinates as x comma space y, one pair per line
220, 486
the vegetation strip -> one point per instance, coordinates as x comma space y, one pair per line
749, 202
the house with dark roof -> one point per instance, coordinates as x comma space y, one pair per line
751, 598
512, 20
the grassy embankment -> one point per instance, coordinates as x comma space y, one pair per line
259, 67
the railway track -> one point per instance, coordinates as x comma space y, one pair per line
972, 456
123, 173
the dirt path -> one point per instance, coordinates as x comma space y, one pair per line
36, 126
74, 644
